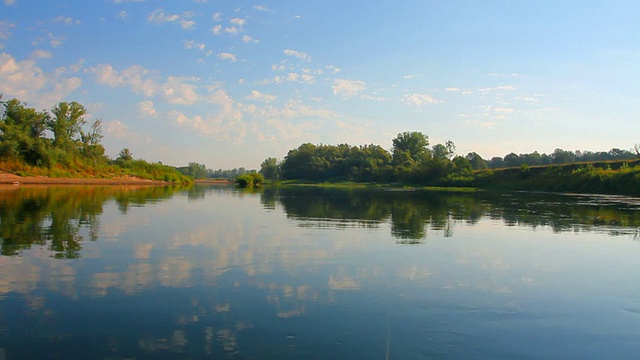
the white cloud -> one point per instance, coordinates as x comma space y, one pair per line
231, 30
188, 24
224, 124
28, 82
53, 40
296, 109
238, 21
5, 30
258, 96
159, 17
248, 39
298, 54
453, 89
348, 88
503, 110
116, 128
419, 100
217, 30
123, 14
227, 56
333, 69
120, 130
192, 44
67, 20
260, 8
178, 90
293, 122
146, 109
41, 54
141, 80
482, 124
9, 2
292, 77
307, 78
496, 89
217, 17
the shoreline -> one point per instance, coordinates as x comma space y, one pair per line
12, 179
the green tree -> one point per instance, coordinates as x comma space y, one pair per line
125, 155
66, 123
250, 180
446, 151
410, 145
196, 171
476, 161
91, 147
22, 134
270, 169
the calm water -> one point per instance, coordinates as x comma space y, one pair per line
212, 272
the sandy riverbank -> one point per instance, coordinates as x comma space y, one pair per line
6, 178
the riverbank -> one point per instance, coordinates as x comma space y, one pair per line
12, 179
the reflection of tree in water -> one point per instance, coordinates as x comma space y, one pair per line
411, 213
54, 216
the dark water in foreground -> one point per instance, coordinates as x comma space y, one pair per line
212, 272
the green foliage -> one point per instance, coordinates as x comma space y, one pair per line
74, 151
270, 169
124, 155
410, 148
411, 162
194, 170
228, 173
598, 177
250, 180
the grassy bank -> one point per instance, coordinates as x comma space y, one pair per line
352, 184
613, 177
80, 170
607, 177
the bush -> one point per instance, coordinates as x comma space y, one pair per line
250, 180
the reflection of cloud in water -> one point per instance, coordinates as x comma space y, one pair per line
222, 308
143, 251
175, 343
343, 283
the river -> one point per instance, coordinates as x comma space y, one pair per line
313, 273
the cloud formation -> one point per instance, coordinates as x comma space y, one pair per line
348, 88
159, 17
298, 54
419, 100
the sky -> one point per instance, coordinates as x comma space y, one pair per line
230, 83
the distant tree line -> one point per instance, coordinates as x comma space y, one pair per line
200, 171
410, 160
558, 156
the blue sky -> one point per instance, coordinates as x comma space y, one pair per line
230, 83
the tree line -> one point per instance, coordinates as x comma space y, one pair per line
411, 160
558, 156
61, 143
200, 171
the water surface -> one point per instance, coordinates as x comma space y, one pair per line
311, 273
